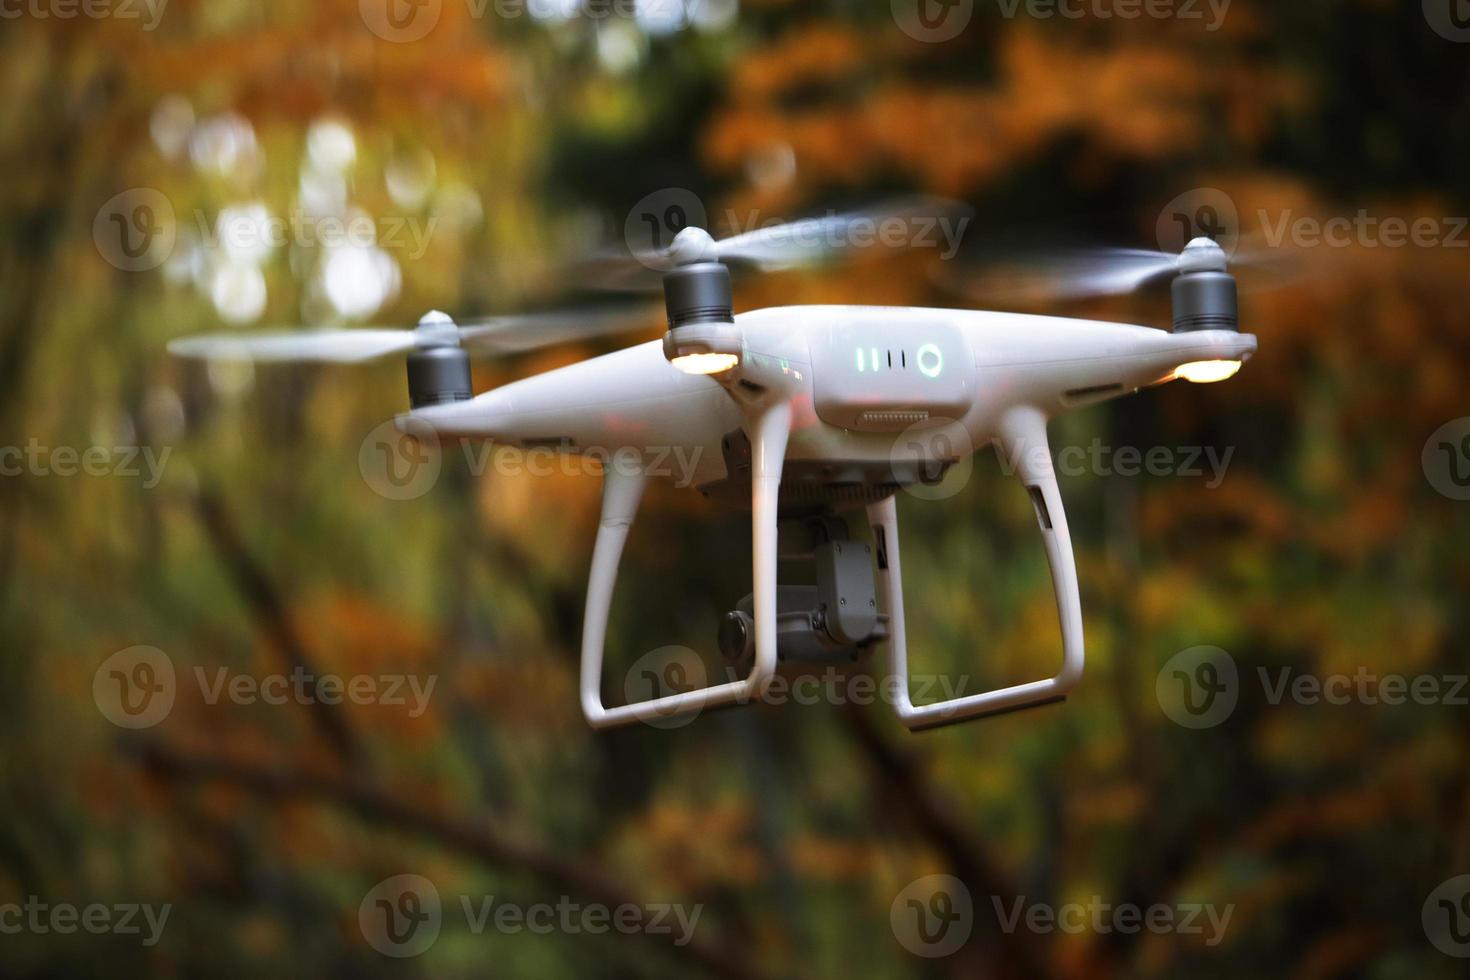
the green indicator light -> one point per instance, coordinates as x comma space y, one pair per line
931, 361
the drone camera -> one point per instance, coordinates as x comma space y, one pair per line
833, 620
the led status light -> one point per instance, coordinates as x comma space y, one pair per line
931, 361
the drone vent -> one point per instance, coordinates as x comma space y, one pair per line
893, 417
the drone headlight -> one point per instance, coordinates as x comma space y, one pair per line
708, 362
1205, 372
703, 348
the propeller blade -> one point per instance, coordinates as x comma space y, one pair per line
1043, 275
810, 241
519, 332
504, 334
327, 346
785, 245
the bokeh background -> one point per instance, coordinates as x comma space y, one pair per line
486, 144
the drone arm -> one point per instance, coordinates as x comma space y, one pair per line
1023, 440
621, 493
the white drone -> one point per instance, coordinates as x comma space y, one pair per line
800, 408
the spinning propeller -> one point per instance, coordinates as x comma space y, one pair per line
438, 349
801, 243
1057, 275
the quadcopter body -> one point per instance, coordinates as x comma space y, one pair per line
802, 413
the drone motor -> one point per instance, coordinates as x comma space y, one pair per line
1204, 292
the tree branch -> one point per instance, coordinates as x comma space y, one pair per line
900, 779
264, 601
375, 804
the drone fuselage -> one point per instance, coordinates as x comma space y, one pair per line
836, 407
881, 396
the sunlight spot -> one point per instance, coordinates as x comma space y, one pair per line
330, 145
170, 125
225, 145
359, 279
238, 291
